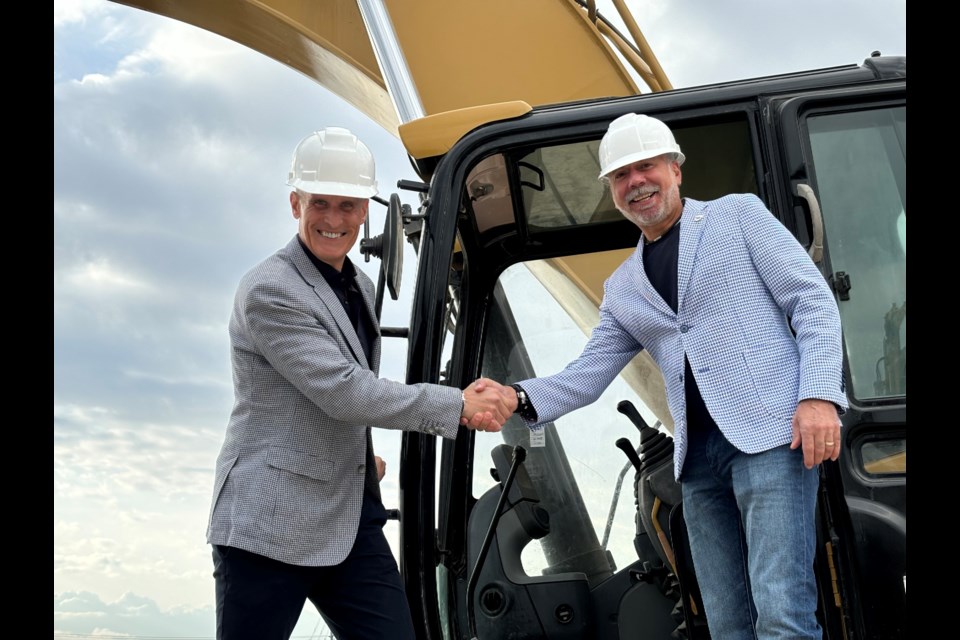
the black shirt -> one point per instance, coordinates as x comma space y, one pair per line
660, 262
344, 285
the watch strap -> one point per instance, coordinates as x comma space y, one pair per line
524, 407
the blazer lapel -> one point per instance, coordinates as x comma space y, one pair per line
691, 228
649, 292
369, 304
328, 298
643, 284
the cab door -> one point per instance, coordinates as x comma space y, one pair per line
842, 154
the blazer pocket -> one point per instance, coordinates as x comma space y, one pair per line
300, 462
774, 380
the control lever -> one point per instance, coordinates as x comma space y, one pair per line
626, 408
624, 445
655, 447
519, 455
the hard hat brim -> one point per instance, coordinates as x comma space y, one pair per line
638, 156
342, 189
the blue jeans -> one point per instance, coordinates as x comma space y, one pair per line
750, 520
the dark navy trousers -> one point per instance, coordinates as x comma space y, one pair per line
362, 598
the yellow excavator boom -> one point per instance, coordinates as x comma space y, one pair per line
429, 71
459, 55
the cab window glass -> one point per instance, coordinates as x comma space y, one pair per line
884, 457
859, 160
560, 185
584, 481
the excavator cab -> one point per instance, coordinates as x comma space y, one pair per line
582, 534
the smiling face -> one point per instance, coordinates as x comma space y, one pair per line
647, 192
329, 225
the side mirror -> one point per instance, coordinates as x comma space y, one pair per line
388, 247
392, 258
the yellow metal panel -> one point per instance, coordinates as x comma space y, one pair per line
463, 53
590, 271
434, 135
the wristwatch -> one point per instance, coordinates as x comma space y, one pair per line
524, 408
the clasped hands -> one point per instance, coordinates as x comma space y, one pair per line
487, 405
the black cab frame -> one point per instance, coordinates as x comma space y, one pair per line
515, 236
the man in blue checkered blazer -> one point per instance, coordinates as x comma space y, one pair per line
747, 334
296, 510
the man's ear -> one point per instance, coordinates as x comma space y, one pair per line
365, 207
295, 204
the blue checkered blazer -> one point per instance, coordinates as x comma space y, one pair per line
289, 478
756, 319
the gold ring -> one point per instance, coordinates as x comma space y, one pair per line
829, 444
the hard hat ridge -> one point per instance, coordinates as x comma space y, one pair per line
333, 161
633, 137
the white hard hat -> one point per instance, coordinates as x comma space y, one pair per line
333, 162
633, 137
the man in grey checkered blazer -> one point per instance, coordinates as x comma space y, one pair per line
747, 334
296, 510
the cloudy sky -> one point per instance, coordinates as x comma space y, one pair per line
171, 147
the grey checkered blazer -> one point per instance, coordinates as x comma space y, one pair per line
740, 276
289, 478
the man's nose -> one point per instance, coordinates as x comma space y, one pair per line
331, 214
636, 178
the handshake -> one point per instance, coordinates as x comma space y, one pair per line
487, 405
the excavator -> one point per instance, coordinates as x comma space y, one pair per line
500, 106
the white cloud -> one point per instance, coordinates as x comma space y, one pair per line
98, 276
76, 11
192, 54
83, 612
